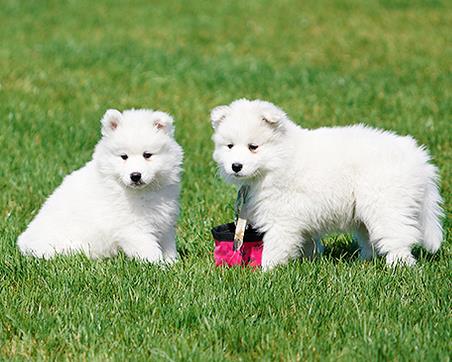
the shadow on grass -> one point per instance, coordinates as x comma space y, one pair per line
342, 252
421, 254
340, 247
343, 248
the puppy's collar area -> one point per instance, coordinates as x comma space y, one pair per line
240, 217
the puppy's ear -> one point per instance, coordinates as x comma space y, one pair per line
218, 114
272, 115
163, 121
110, 121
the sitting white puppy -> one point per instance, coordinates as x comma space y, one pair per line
306, 183
125, 198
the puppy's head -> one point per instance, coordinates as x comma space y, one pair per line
137, 148
247, 138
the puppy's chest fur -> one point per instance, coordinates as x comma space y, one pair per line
151, 211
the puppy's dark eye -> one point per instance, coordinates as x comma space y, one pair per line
147, 155
253, 147
124, 157
230, 145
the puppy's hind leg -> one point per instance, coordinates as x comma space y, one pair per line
391, 215
393, 235
34, 247
312, 247
46, 246
366, 250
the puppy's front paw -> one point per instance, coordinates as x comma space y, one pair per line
149, 256
267, 267
270, 264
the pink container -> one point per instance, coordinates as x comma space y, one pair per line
249, 254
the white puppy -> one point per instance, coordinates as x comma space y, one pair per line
125, 198
306, 183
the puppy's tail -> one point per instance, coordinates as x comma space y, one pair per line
431, 213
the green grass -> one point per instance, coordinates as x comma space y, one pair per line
385, 63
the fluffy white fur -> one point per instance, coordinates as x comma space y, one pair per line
306, 183
98, 209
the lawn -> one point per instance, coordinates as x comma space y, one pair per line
62, 64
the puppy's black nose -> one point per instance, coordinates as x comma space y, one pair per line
236, 167
135, 176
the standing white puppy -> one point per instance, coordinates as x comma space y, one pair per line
306, 183
125, 198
